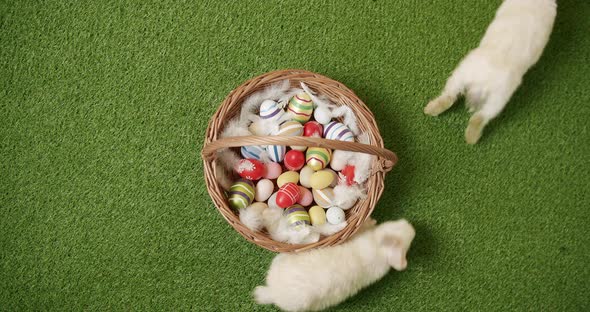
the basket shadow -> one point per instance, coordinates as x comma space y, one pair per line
399, 180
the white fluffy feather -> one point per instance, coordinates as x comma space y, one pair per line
251, 217
318, 101
346, 196
273, 92
349, 119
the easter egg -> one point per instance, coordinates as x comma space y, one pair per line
347, 175
273, 170
305, 176
292, 128
323, 197
256, 128
288, 195
317, 157
338, 131
288, 176
272, 201
264, 189
335, 215
258, 206
250, 169
297, 216
294, 160
305, 197
241, 194
253, 152
276, 153
332, 172
301, 107
270, 110
313, 129
322, 115
317, 215
339, 159
321, 179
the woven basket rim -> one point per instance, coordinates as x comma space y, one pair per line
340, 95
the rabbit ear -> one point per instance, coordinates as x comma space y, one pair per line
396, 255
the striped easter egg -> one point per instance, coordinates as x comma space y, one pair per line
318, 157
338, 131
297, 216
301, 107
270, 110
276, 153
241, 194
323, 197
292, 128
288, 195
253, 152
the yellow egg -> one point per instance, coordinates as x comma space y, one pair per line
321, 179
305, 176
323, 198
317, 215
334, 174
288, 176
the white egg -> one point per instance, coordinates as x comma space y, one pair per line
272, 201
264, 189
335, 215
322, 115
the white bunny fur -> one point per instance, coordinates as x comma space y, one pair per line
320, 278
489, 74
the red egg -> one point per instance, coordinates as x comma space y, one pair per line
347, 175
313, 128
294, 160
250, 169
288, 195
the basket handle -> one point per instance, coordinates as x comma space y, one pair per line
389, 158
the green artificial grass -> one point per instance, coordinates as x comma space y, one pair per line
104, 106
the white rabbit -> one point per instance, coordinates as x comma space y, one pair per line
489, 74
320, 278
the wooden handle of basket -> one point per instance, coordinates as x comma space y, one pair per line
389, 158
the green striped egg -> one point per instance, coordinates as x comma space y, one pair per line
318, 157
297, 216
324, 197
241, 194
301, 107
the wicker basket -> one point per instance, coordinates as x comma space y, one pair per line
338, 94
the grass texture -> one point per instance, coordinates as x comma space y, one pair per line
104, 106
